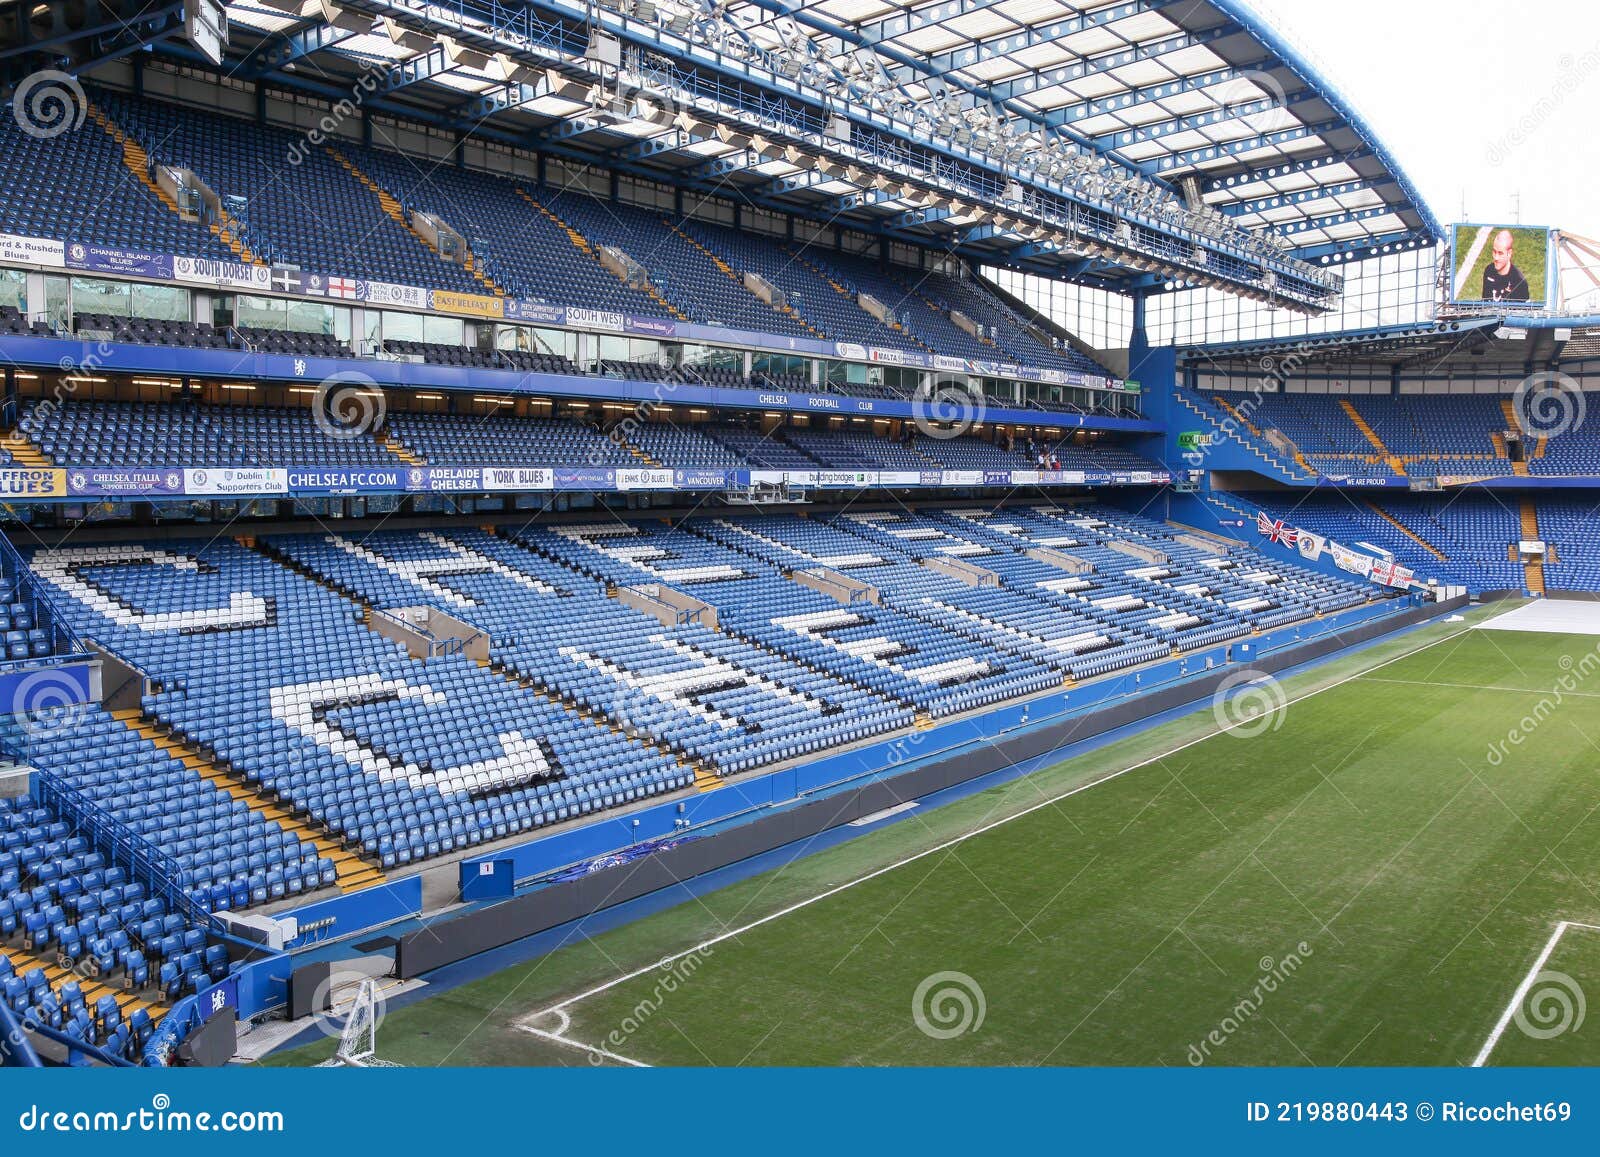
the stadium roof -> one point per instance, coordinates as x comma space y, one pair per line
1430, 344
1189, 118
1179, 89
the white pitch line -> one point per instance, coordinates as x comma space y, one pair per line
961, 839
1471, 259
1492, 687
1521, 994
592, 1050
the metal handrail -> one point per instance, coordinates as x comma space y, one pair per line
123, 846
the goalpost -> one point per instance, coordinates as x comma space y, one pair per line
358, 1045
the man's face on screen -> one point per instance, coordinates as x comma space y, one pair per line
1504, 249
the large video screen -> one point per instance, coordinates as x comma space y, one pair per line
1500, 264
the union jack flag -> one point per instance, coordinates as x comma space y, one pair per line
1277, 531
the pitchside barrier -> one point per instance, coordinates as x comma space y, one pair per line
448, 940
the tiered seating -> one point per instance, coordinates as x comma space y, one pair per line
1473, 531
29, 626
313, 214
703, 695
311, 206
875, 647
1452, 435
1010, 332
682, 271
231, 856
75, 186
73, 433
147, 331
1319, 426
673, 445
83, 949
1568, 526
766, 451
1184, 596
834, 313
12, 322
436, 353
842, 450
276, 678
1575, 450
452, 440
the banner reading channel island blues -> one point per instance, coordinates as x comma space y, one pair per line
155, 483
280, 279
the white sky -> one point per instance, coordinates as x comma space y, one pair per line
1473, 98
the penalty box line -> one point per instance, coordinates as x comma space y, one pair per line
1521, 993
559, 1036
558, 1009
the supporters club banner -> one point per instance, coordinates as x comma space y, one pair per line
692, 479
102, 483
445, 479
229, 480
1351, 561
518, 478
16, 250
158, 482
128, 262
1384, 572
16, 482
644, 479
585, 478
223, 274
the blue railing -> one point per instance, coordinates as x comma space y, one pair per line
40, 605
17, 1049
123, 847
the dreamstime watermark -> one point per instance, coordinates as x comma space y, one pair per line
1274, 974
48, 704
673, 975
49, 103
1249, 703
365, 85
73, 373
947, 1005
1554, 1006
333, 1013
1574, 673
947, 407
1253, 92
349, 405
620, 435
83, 969
1572, 73
158, 1117
1548, 404
1236, 422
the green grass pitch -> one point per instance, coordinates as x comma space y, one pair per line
1367, 881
